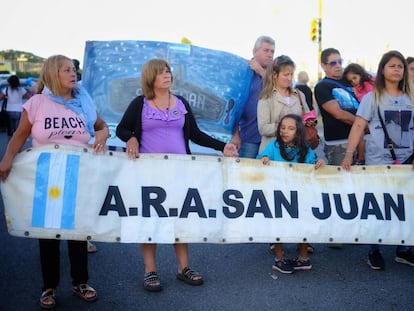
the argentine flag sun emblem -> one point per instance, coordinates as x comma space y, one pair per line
54, 202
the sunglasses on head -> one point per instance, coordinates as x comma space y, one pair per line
335, 62
280, 59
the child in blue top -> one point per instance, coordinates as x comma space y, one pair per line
290, 146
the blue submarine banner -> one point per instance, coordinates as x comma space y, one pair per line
215, 83
68, 192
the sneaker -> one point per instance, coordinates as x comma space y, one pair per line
283, 266
375, 260
406, 257
300, 264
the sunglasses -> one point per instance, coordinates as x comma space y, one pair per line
280, 59
335, 62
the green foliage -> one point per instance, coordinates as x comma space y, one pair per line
24, 75
12, 55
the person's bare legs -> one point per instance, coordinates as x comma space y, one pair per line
278, 250
181, 252
148, 252
303, 251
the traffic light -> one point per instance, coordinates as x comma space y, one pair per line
315, 30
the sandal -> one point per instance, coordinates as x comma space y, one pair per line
48, 299
91, 248
189, 276
82, 291
152, 282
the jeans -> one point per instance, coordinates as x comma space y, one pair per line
14, 117
376, 247
249, 150
335, 153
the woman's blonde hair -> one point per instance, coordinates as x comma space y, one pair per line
49, 76
275, 67
149, 73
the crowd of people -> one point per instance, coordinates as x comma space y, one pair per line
357, 110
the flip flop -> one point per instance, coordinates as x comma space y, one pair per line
48, 295
91, 248
82, 289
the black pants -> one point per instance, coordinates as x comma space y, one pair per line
50, 262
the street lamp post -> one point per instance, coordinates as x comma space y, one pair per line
320, 40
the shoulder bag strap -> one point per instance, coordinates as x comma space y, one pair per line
300, 100
390, 144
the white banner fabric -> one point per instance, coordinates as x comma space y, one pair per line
68, 192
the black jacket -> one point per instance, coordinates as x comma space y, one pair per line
131, 125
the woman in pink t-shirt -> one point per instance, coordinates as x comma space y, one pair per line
60, 113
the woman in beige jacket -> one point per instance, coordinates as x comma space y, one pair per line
278, 98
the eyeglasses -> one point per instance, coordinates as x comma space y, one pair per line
335, 62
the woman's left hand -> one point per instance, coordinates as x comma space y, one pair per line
100, 140
310, 122
230, 150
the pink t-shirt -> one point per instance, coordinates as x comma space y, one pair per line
53, 123
362, 91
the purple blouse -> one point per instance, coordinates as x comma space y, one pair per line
162, 130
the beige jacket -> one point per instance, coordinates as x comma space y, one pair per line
271, 110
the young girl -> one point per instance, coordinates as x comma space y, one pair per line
290, 146
362, 83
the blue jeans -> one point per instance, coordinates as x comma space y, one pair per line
249, 150
376, 247
335, 153
14, 117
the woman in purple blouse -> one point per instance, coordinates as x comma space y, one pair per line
161, 122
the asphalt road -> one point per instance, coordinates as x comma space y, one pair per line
237, 277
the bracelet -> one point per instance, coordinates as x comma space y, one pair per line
349, 151
109, 131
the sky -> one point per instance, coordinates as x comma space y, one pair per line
362, 30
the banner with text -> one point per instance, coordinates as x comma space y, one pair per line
69, 192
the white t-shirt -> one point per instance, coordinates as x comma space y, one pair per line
15, 98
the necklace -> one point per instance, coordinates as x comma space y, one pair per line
166, 110
290, 145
